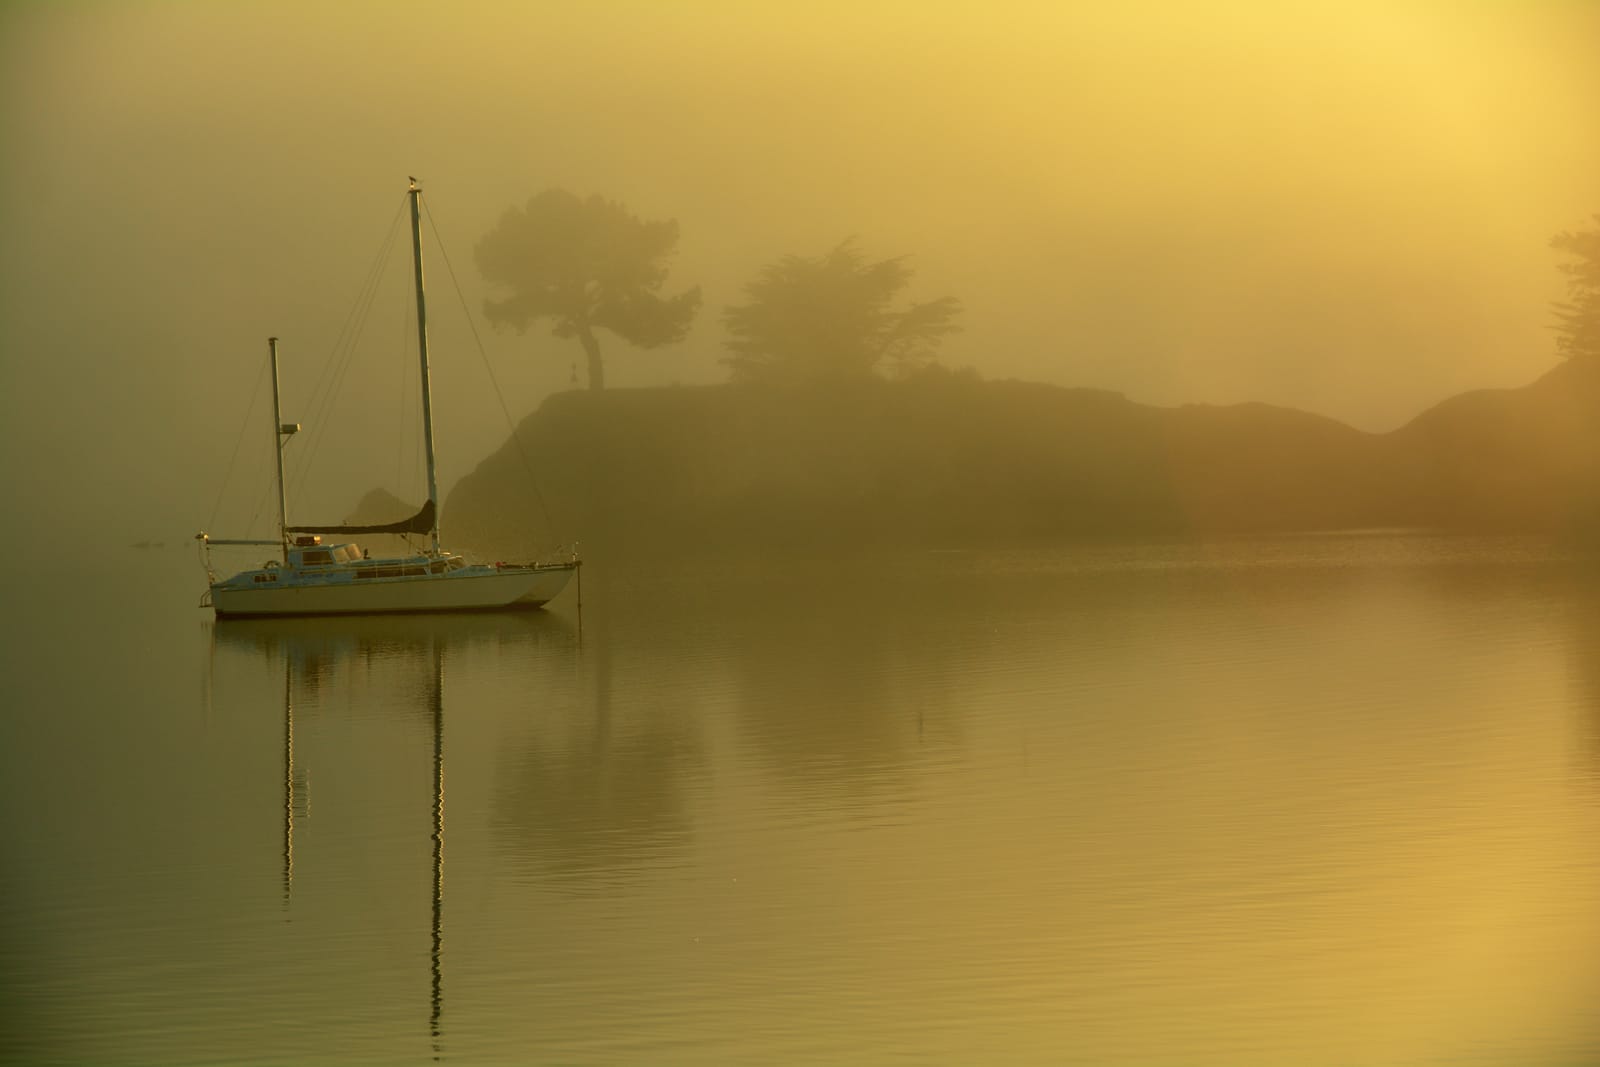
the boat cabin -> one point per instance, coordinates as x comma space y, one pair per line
311, 552
309, 560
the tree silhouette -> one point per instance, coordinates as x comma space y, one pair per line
587, 265
830, 318
1578, 319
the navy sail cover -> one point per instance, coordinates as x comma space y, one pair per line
419, 523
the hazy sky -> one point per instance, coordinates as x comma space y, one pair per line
1342, 207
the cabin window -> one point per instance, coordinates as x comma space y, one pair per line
316, 557
437, 566
266, 577
410, 571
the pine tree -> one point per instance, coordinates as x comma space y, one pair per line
587, 265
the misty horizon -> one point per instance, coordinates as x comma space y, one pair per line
1344, 210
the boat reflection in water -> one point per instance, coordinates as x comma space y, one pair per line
396, 663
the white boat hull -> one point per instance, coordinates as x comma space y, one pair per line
478, 588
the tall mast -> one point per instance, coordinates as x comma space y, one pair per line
422, 349
280, 430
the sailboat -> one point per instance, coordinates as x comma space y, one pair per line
338, 577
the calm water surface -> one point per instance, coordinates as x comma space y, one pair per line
1322, 800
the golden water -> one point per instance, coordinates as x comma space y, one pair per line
1326, 800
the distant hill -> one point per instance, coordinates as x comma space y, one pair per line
1523, 459
947, 460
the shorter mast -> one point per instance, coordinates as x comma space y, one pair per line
280, 430
422, 348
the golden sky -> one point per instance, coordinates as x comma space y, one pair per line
1342, 207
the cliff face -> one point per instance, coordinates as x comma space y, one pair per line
950, 461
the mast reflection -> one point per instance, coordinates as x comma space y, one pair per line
437, 700
289, 783
318, 653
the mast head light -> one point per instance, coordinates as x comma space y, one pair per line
289, 428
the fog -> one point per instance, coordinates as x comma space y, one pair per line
1341, 207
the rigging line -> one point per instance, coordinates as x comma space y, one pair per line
418, 483
261, 504
341, 369
401, 483
322, 392
533, 481
244, 424
338, 364
342, 350
407, 480
414, 487
368, 285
